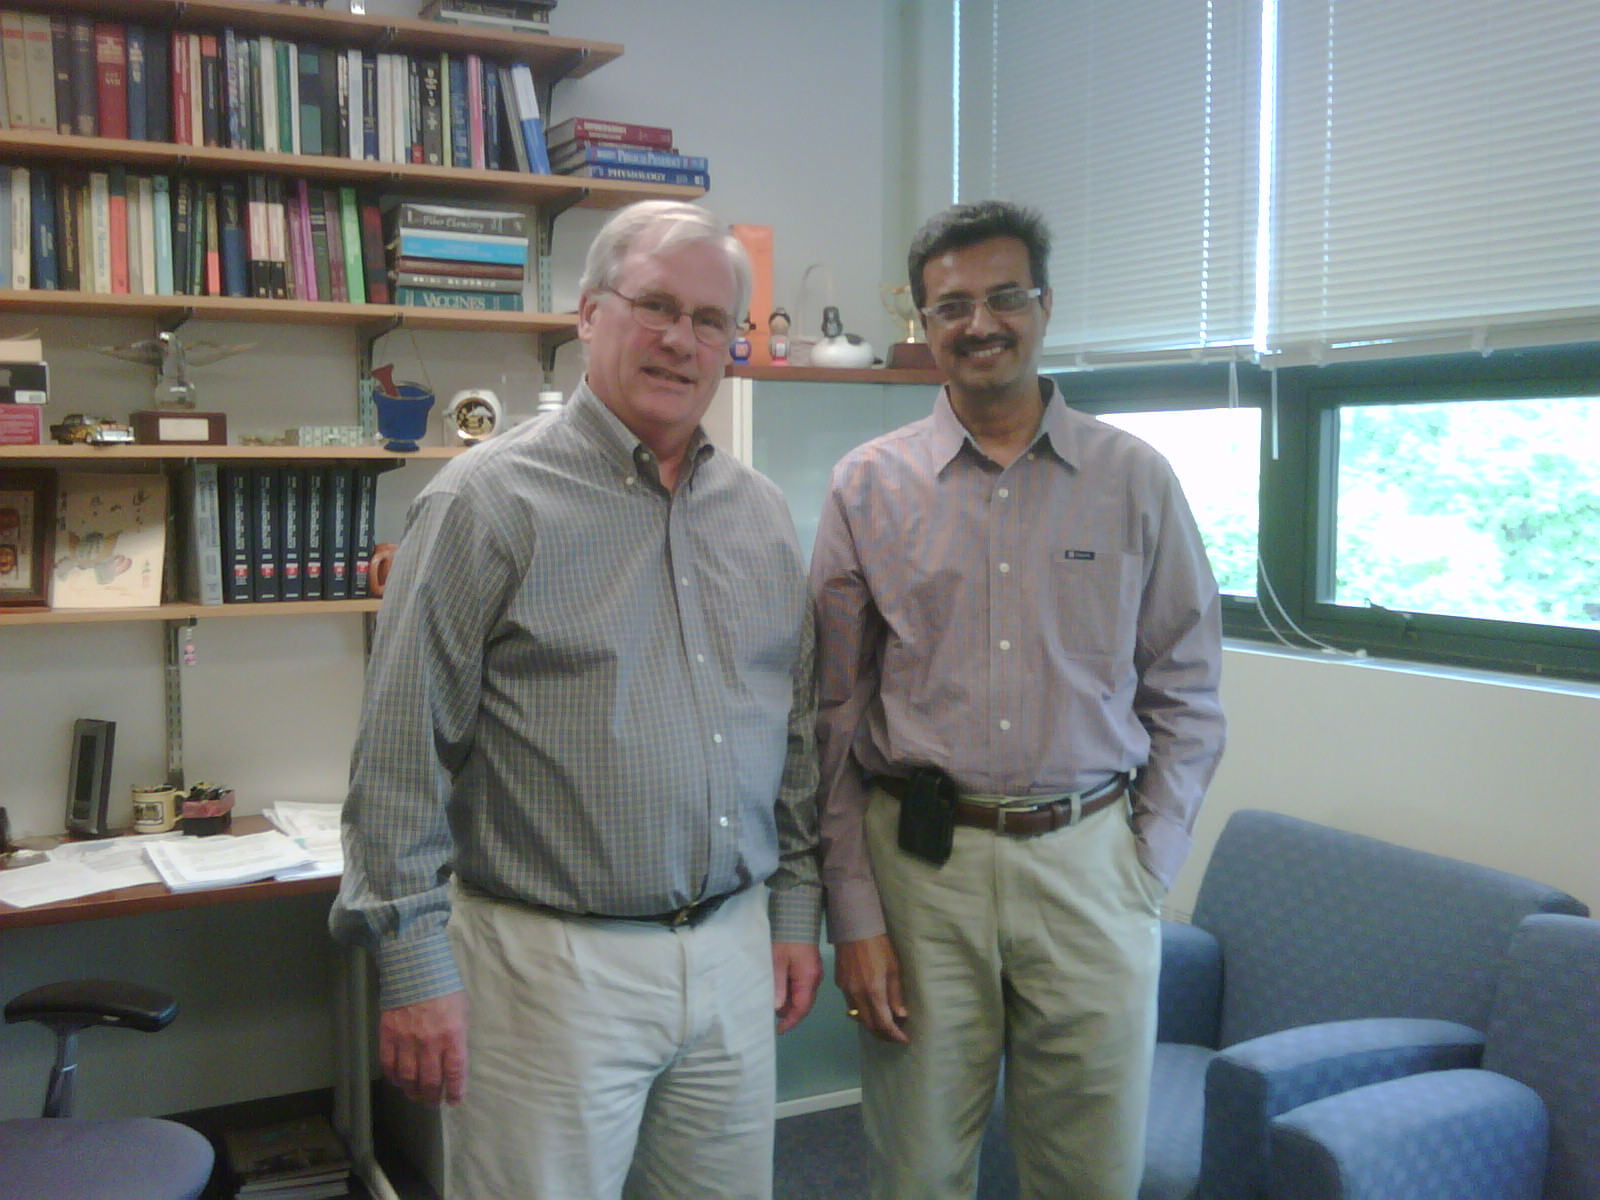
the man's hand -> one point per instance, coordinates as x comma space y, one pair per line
422, 1048
796, 972
868, 973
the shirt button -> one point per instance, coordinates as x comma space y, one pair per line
1005, 568
717, 738
1004, 645
723, 821
629, 481
1004, 493
684, 581
1005, 725
699, 658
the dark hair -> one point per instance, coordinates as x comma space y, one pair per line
967, 225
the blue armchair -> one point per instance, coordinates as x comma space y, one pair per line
1318, 961
1524, 1127
75, 1158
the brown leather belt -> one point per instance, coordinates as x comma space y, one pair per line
1024, 820
690, 914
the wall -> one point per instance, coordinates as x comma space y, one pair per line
786, 100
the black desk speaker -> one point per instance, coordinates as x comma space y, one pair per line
89, 789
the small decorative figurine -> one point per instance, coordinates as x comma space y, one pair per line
739, 348
778, 342
474, 414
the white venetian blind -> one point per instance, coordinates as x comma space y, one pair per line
1438, 174
1132, 125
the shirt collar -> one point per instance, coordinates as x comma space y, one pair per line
1055, 428
620, 443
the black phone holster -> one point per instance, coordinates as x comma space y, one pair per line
928, 815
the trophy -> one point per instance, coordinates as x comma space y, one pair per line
910, 353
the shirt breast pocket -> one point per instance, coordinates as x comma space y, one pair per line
1096, 602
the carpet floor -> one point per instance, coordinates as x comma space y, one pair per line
823, 1156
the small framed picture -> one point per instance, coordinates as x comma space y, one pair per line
27, 524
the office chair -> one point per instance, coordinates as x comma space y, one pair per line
77, 1158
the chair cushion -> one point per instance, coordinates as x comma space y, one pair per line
1177, 1109
78, 1158
1317, 924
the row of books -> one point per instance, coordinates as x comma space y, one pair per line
119, 232
258, 534
74, 74
596, 149
449, 256
299, 1159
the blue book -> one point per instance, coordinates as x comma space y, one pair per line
460, 121
462, 247
369, 105
526, 103
699, 179
491, 116
161, 204
138, 74
45, 274
583, 154
419, 297
230, 239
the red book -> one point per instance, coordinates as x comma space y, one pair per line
111, 72
182, 126
372, 258
475, 111
588, 129
213, 242
337, 283
117, 208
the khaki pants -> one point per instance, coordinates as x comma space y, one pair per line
1043, 952
613, 1058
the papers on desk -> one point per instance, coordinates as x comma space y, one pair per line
192, 863
79, 869
315, 826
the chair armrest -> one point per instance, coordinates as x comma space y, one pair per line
80, 1003
1250, 1083
1444, 1135
1189, 1004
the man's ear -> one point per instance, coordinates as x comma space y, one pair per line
1045, 298
587, 303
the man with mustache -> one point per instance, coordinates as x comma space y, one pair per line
1019, 645
581, 826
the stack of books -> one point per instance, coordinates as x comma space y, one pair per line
599, 149
520, 16
301, 1159
458, 257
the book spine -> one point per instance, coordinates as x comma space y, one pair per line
266, 55
212, 117
699, 179
473, 222
438, 244
197, 91
61, 58
85, 79
350, 79
338, 285
583, 153
43, 241
111, 88
213, 249
69, 204
372, 256
493, 148
474, 270
364, 515
255, 235
14, 52
99, 233
319, 242
264, 533
41, 71
21, 264
328, 78
235, 264
413, 110
455, 283
203, 571
161, 197
277, 237
588, 129
182, 134
182, 217
354, 271
470, 301
511, 123
528, 115
117, 226
460, 124
338, 493
7, 225
313, 501
138, 85
369, 106
306, 267
157, 86
238, 556
291, 539
147, 234
477, 154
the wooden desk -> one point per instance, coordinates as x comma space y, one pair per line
352, 1000
154, 897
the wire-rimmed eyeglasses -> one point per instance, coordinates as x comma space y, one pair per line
1002, 303
658, 311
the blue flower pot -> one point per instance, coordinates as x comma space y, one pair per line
403, 418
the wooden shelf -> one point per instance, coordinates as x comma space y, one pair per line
552, 57
183, 612
374, 318
836, 374
512, 187
59, 455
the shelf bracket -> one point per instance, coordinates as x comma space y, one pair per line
176, 319
177, 634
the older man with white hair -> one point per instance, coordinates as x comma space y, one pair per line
581, 834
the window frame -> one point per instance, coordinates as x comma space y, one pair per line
1299, 485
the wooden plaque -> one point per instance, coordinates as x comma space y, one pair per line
155, 427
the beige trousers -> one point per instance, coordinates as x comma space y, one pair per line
1043, 953
613, 1058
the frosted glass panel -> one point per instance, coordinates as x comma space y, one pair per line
800, 430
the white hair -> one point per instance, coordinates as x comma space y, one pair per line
655, 227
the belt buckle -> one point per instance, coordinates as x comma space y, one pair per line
682, 917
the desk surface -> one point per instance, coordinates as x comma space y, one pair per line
154, 897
